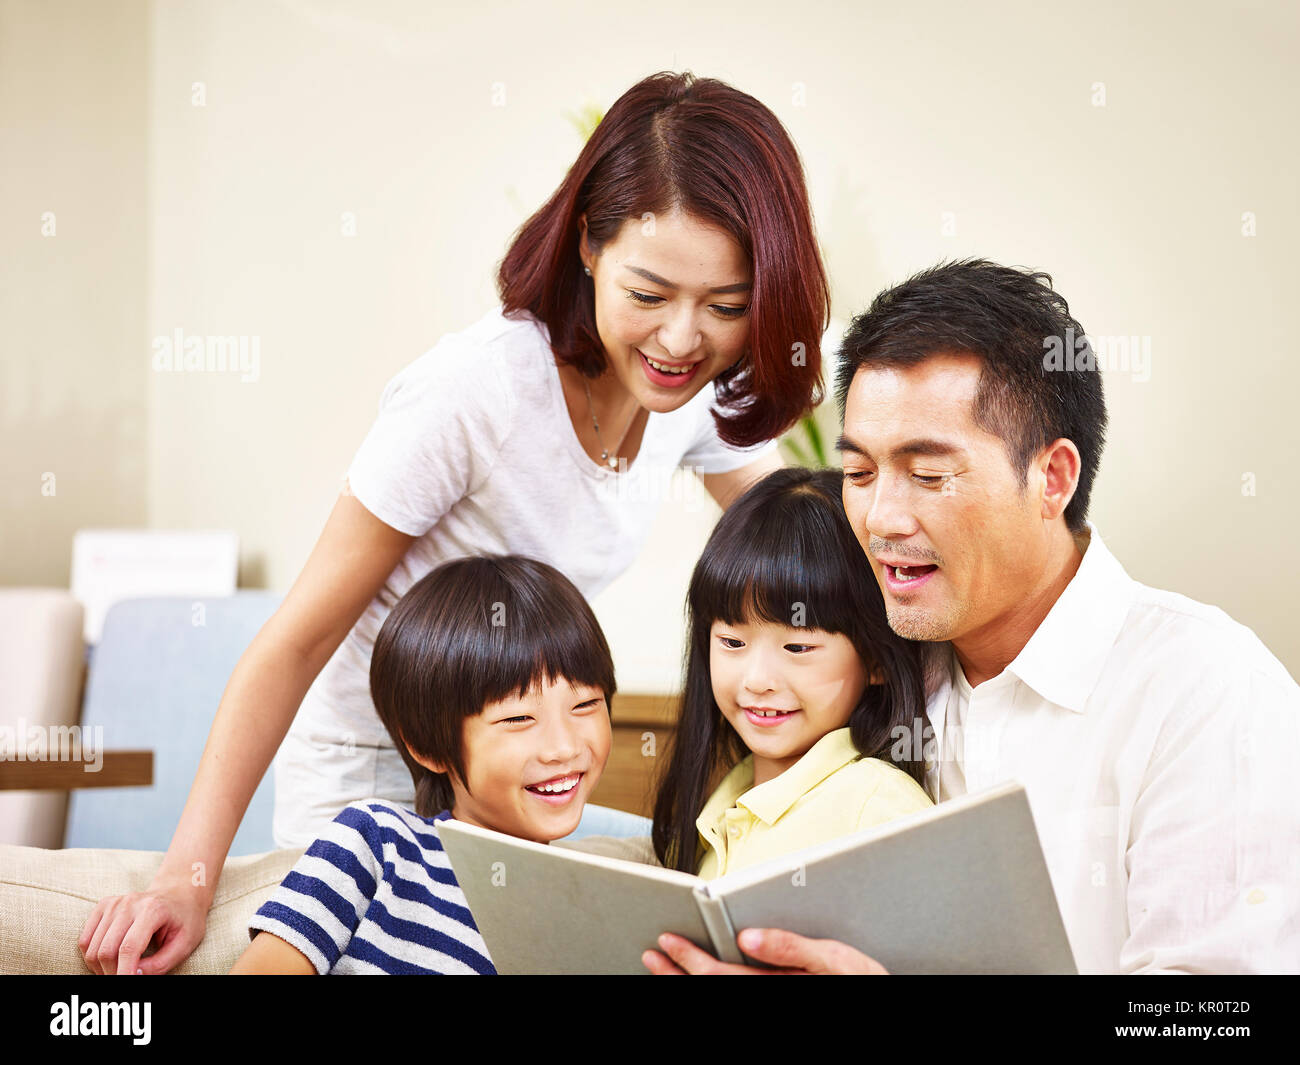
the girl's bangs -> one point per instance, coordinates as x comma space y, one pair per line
779, 575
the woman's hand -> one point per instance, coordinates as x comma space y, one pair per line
121, 927
791, 954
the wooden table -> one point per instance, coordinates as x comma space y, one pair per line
120, 769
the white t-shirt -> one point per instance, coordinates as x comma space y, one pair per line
474, 453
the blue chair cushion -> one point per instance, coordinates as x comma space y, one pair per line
155, 680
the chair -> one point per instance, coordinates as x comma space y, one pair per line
155, 681
41, 665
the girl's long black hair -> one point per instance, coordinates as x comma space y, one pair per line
784, 552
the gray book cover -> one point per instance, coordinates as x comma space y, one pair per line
958, 888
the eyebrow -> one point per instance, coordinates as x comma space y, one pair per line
741, 286
927, 446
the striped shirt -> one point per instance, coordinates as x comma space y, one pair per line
376, 894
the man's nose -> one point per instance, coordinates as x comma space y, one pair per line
889, 514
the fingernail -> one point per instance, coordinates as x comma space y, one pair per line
750, 939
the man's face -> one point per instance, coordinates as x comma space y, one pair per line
931, 492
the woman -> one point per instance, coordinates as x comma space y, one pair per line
677, 253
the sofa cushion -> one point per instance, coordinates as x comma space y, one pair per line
47, 895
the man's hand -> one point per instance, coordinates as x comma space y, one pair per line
792, 954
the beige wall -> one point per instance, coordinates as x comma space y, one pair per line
927, 134
74, 279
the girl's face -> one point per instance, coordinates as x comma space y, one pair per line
674, 291
783, 688
531, 763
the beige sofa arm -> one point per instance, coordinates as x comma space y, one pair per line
46, 896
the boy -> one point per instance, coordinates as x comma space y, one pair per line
494, 680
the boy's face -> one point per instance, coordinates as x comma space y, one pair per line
531, 763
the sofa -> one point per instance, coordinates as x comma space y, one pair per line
47, 895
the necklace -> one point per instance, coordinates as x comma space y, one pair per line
610, 460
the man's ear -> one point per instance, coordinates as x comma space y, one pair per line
1060, 465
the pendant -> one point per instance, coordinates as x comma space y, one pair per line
613, 463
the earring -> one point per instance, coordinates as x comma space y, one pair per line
587, 270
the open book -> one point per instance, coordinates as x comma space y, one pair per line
958, 888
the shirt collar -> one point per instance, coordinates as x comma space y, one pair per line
770, 801
1065, 656
734, 784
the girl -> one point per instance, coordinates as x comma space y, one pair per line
795, 687
675, 266
494, 681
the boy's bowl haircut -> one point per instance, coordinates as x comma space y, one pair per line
471, 632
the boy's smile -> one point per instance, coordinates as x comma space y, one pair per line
557, 790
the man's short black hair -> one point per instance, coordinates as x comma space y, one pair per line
1013, 321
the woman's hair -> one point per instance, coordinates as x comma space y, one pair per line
784, 552
677, 141
471, 632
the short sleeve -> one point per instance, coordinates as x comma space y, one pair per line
442, 423
318, 906
708, 454
895, 795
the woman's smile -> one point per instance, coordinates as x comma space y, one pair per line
659, 373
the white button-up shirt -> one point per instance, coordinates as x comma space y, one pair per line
1158, 742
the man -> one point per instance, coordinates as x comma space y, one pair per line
1157, 739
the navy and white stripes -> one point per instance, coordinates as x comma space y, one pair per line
376, 894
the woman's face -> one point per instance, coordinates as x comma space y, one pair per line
673, 291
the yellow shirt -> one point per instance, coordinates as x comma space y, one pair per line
830, 792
